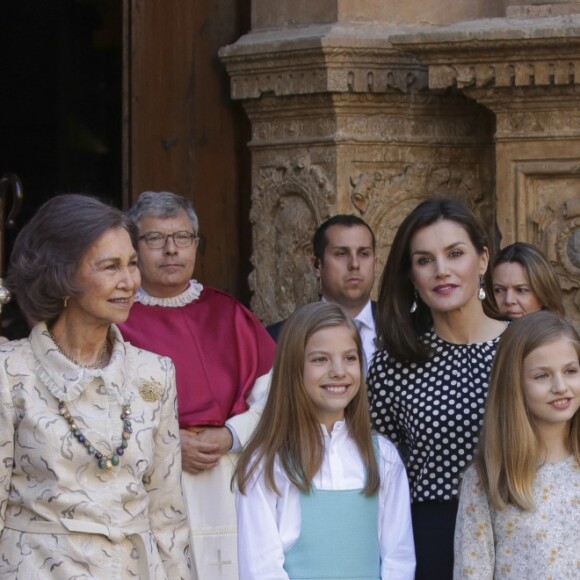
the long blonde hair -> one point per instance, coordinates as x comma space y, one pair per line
509, 448
288, 428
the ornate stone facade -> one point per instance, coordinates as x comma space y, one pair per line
366, 118
527, 72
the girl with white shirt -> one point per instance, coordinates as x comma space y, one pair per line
317, 495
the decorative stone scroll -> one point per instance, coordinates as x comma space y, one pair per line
561, 224
375, 195
290, 199
384, 197
546, 212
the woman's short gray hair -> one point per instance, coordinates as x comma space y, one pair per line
163, 204
50, 247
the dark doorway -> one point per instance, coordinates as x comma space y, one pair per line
61, 98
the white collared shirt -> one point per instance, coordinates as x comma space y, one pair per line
368, 332
269, 525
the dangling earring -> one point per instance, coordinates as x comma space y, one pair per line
66, 300
481, 294
414, 305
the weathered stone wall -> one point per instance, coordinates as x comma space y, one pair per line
351, 114
291, 13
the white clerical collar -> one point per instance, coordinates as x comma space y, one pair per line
186, 297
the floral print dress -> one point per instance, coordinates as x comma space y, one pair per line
543, 543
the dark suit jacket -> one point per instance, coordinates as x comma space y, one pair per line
275, 329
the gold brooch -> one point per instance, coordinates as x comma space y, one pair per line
150, 390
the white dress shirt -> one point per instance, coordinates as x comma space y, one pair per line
269, 525
368, 332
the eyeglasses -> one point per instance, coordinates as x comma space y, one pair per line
157, 240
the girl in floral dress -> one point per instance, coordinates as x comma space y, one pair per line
519, 509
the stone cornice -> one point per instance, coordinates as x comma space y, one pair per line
346, 118
478, 35
317, 59
500, 52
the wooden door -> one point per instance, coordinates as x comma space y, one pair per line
182, 133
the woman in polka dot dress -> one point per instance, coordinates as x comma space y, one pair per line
428, 383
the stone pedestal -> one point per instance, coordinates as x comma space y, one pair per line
344, 123
356, 115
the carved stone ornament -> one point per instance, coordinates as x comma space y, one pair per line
499, 52
356, 57
385, 197
290, 199
558, 235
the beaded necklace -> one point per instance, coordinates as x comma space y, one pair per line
104, 461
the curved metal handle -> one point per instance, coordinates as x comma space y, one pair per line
11, 182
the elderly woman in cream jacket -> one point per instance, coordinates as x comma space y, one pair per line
89, 441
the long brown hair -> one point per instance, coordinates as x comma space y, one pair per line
509, 447
398, 329
288, 428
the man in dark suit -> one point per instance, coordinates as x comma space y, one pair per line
344, 262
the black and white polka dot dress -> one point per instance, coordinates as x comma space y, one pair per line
434, 410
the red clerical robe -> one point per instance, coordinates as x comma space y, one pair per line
219, 349
222, 356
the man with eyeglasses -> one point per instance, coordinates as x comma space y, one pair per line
222, 355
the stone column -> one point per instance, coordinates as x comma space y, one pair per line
527, 71
344, 122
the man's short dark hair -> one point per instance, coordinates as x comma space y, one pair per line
320, 240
